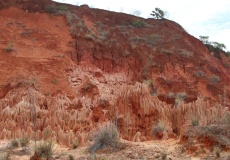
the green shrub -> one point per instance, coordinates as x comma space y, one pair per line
195, 121
159, 127
163, 156
14, 143
51, 9
55, 81
71, 157
24, 141
227, 54
154, 37
107, 136
138, 24
9, 47
185, 53
216, 134
214, 79
217, 150
5, 156
44, 149
168, 52
181, 96
171, 95
75, 144
63, 8
199, 74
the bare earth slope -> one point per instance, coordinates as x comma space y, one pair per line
83, 67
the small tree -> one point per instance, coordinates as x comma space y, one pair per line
158, 13
204, 39
219, 45
227, 53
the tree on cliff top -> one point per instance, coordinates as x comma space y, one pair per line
158, 13
205, 40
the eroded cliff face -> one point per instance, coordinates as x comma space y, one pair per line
86, 67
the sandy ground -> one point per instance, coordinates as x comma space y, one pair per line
149, 150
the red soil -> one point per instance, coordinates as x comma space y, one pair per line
95, 56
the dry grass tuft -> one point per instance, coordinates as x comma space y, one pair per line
107, 136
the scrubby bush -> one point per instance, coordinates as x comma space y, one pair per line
5, 156
214, 79
227, 54
51, 9
44, 149
171, 95
185, 54
63, 8
138, 24
9, 47
14, 143
195, 121
24, 141
71, 157
107, 136
158, 128
163, 156
216, 45
226, 119
204, 39
217, 150
75, 144
199, 74
216, 134
219, 45
181, 95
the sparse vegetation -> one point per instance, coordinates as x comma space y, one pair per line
214, 79
227, 53
163, 155
24, 141
107, 136
75, 144
195, 121
216, 45
63, 8
138, 24
55, 81
181, 96
154, 37
87, 87
159, 127
204, 39
185, 53
14, 143
171, 95
168, 52
199, 74
5, 156
9, 47
217, 150
44, 149
158, 13
219, 45
47, 94
51, 9
215, 133
71, 157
